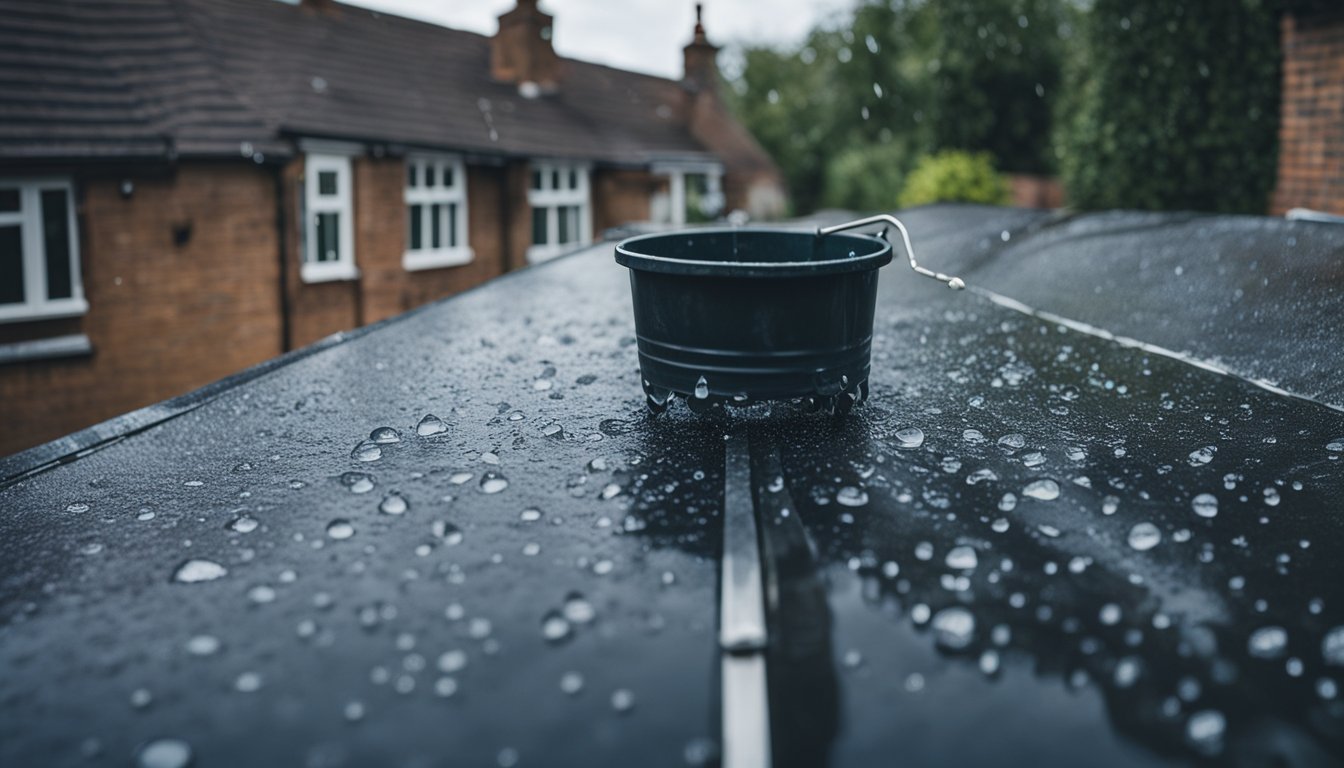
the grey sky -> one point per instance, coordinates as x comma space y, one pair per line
641, 35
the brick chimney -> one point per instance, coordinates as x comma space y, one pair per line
521, 51
700, 70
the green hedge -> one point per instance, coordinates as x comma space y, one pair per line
954, 177
1177, 106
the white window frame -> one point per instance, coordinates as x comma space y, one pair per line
551, 199
676, 174
36, 305
343, 268
450, 255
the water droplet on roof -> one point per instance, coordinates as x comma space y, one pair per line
701, 389
1205, 505
1268, 642
850, 496
1204, 731
571, 683
197, 570
961, 558
367, 451
243, 524
452, 661
430, 425
393, 504
953, 628
493, 482
385, 435
1202, 456
1144, 536
1042, 490
340, 529
530, 515
622, 700
203, 645
77, 507
554, 627
164, 753
578, 609
1012, 442
909, 437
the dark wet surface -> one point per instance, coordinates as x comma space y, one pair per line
1080, 648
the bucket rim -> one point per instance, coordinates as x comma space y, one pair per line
628, 255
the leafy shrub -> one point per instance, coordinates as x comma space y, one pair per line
1177, 106
955, 177
867, 177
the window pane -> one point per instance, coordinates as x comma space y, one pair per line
11, 265
536, 179
326, 182
9, 200
573, 179
429, 174
539, 226
555, 180
56, 238
328, 237
452, 226
412, 175
447, 175
417, 238
436, 226
562, 223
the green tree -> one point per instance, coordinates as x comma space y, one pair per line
847, 113
1177, 106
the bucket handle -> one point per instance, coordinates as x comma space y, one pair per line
955, 283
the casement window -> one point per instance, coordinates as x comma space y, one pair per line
39, 251
561, 213
436, 213
329, 242
694, 194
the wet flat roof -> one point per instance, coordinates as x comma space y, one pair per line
1068, 527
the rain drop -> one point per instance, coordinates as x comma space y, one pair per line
493, 482
1043, 490
701, 389
850, 496
164, 753
430, 425
953, 628
195, 570
1205, 505
385, 435
1268, 642
909, 437
340, 529
393, 504
1144, 536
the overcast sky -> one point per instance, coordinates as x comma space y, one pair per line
642, 35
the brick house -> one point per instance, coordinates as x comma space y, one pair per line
1311, 122
190, 187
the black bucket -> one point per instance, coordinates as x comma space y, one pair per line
749, 314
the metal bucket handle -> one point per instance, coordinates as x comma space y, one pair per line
955, 283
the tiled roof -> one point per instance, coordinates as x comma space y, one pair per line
136, 78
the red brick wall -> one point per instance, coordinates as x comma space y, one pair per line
621, 196
1026, 191
1311, 123
163, 319
387, 289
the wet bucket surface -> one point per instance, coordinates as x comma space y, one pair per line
743, 315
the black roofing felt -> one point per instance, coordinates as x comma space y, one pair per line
90, 78
1006, 465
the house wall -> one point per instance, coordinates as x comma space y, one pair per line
1311, 123
621, 196
163, 318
